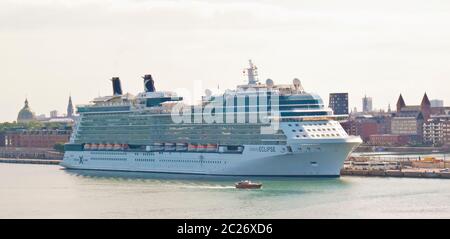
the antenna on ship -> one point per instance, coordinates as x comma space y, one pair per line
252, 73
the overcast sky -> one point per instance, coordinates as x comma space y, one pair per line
52, 48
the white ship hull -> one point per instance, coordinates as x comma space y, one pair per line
315, 158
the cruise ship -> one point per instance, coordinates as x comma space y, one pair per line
257, 129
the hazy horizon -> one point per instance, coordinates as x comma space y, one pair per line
53, 48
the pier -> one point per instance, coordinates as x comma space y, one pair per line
411, 173
398, 166
30, 161
30, 153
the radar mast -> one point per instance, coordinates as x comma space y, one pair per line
252, 73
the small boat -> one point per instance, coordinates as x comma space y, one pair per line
248, 185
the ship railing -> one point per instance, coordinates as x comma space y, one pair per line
105, 104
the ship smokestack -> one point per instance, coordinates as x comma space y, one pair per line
149, 84
117, 88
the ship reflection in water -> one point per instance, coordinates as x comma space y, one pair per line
191, 178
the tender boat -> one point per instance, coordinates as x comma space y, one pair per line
248, 185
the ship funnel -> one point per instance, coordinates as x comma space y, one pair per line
117, 88
149, 84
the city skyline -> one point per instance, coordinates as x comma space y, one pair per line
53, 49
41, 115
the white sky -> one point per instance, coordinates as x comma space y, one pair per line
52, 48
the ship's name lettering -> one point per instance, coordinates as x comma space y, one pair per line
267, 149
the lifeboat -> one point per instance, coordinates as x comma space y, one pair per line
192, 147
101, 146
247, 184
108, 146
202, 148
87, 146
94, 146
157, 147
181, 147
211, 147
169, 147
117, 146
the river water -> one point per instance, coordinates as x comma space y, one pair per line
48, 191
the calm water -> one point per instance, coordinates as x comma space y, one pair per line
41, 191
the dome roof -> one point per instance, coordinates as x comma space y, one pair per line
25, 114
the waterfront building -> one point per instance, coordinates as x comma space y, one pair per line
53, 114
440, 110
437, 103
367, 125
436, 131
424, 107
45, 138
367, 104
409, 119
408, 123
69, 118
25, 114
339, 103
389, 139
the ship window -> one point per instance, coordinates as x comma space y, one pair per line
293, 130
296, 125
304, 135
289, 125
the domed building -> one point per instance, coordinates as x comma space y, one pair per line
25, 114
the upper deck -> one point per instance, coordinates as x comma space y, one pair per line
285, 101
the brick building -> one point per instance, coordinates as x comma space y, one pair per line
36, 138
389, 139
409, 119
367, 125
